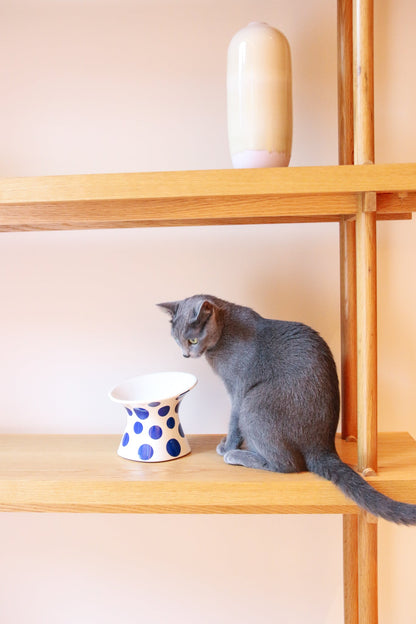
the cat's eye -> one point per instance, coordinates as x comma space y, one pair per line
193, 341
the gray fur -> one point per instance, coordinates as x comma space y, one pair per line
283, 385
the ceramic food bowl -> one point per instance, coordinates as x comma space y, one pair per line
153, 432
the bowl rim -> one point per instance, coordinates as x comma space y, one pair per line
192, 381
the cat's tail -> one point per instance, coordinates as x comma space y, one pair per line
329, 466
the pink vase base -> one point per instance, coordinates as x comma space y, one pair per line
250, 159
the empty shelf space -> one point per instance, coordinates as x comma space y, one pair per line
83, 473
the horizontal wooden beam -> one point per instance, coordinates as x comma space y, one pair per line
157, 212
213, 197
209, 183
83, 473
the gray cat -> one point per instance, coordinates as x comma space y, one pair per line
283, 385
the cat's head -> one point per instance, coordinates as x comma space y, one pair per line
197, 324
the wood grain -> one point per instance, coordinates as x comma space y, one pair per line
348, 278
348, 305
363, 78
345, 83
366, 340
83, 473
348, 295
212, 197
363, 47
348, 291
387, 178
159, 212
350, 568
367, 569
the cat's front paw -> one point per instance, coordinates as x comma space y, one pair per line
222, 447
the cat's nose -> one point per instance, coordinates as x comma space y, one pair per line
186, 355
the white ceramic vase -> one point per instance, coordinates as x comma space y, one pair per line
259, 97
153, 431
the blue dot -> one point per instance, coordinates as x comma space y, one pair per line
138, 427
141, 412
164, 410
181, 433
173, 447
125, 439
129, 412
170, 422
154, 404
155, 432
145, 451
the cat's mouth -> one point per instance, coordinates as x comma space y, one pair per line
194, 355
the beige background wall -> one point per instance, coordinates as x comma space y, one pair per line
122, 85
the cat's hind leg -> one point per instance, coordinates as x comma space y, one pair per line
283, 461
249, 459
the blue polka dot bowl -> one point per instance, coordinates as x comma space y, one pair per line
153, 432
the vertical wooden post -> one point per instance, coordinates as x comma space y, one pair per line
348, 296
363, 46
345, 84
367, 335
367, 569
347, 227
366, 239
350, 547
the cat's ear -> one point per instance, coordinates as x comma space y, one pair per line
171, 307
203, 311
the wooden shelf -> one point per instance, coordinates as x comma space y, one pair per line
213, 197
83, 473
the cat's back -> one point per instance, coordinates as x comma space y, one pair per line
291, 343
272, 336
272, 345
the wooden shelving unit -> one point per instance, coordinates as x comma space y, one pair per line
84, 474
